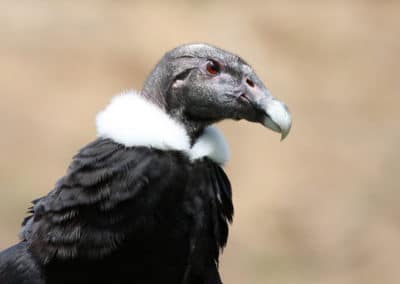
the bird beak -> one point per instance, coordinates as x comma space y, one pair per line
277, 117
272, 113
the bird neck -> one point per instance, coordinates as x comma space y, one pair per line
194, 128
155, 97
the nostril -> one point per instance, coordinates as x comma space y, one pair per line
250, 82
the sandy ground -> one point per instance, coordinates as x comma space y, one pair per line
320, 207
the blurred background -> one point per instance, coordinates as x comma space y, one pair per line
320, 207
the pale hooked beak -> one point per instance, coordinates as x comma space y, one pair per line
278, 117
272, 113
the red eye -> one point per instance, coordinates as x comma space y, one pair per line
213, 67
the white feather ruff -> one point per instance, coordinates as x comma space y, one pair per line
211, 144
131, 120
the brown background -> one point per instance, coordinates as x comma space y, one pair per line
321, 207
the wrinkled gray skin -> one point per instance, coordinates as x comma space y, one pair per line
182, 86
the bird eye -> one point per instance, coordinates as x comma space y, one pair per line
213, 67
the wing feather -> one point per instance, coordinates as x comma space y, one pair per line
109, 193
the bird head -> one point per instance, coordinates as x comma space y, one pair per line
199, 84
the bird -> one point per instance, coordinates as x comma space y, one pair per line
148, 201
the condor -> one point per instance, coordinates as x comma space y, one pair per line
148, 201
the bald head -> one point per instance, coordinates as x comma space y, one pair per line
199, 84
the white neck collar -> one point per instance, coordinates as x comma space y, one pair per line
132, 120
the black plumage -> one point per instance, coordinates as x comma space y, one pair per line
142, 212
137, 213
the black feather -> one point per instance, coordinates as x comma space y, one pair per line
125, 213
